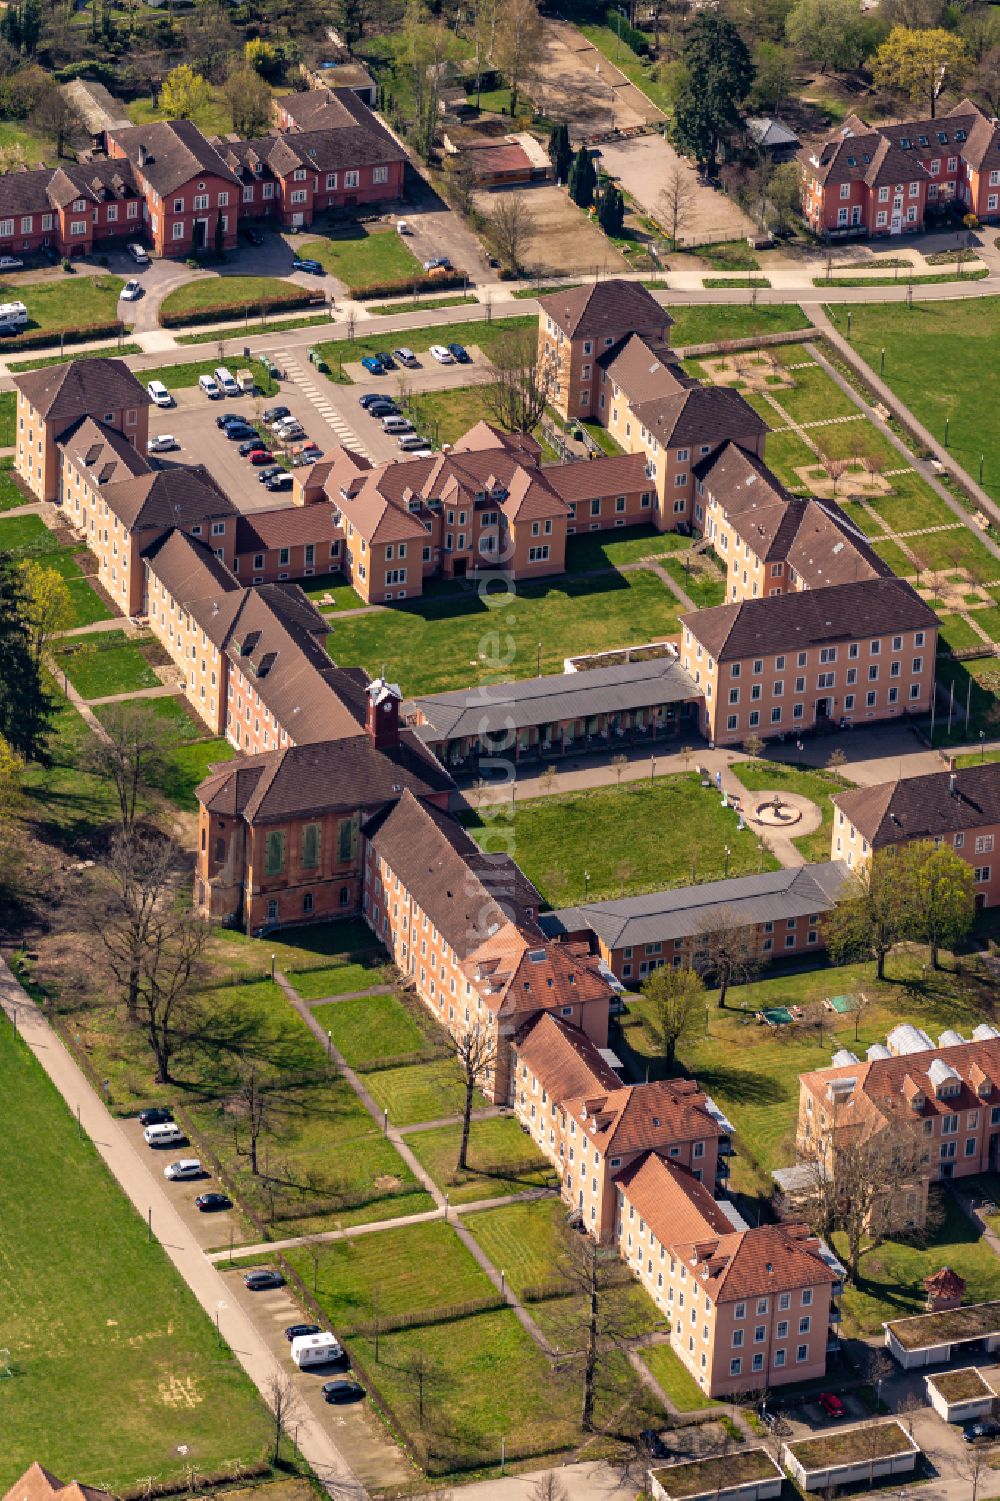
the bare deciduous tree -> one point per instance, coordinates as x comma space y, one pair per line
973, 1466
285, 1404
517, 44
139, 876
476, 1051
518, 392
511, 227
591, 1271
726, 951
547, 1487
677, 200
130, 755
251, 1105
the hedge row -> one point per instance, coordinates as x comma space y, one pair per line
43, 337
422, 283
221, 312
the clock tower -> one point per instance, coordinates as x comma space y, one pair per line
382, 719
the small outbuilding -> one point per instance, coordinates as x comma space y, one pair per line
936, 1338
851, 1456
774, 138
961, 1396
746, 1475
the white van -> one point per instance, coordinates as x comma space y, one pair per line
227, 381
166, 1135
210, 388
315, 1349
396, 424
13, 315
188, 1167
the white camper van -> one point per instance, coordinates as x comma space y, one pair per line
168, 1134
315, 1349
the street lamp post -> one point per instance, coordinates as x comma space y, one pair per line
586, 884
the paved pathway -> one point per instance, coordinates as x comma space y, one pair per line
162, 690
145, 1191
352, 995
416, 1168
485, 1113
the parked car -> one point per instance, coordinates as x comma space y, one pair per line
296, 1331
388, 363
396, 425
232, 419
210, 1203
344, 1390
261, 456
460, 354
156, 1115
414, 443
158, 394
137, 252
226, 380
10, 263
238, 431
654, 1445
131, 291
292, 434
166, 1134
832, 1405
162, 443
370, 398
251, 234
282, 481
306, 457
209, 388
252, 445
372, 364
442, 355
268, 473
384, 408
262, 1277
406, 357
271, 415
280, 424
983, 1428
437, 263
186, 1167
303, 263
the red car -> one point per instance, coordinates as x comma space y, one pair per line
832, 1406
261, 456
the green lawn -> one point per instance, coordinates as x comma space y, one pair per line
10, 494
100, 1328
210, 294
976, 681
37, 147
359, 257
341, 939
911, 504
178, 720
28, 535
42, 361
715, 323
187, 765
445, 416
679, 1385
989, 619
105, 664
213, 117
8, 417
818, 786
524, 1239
616, 50
957, 634
369, 1028
604, 440
617, 834
502, 1160
420, 304
943, 360
333, 584
419, 1269
448, 641
338, 979
705, 585
893, 554
420, 1091
814, 397
175, 377
66, 303
752, 1072
785, 453
88, 606
891, 1285
588, 551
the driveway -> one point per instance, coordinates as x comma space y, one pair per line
644, 165
576, 83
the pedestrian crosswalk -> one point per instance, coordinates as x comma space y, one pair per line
318, 397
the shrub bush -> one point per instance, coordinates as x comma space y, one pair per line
420, 283
221, 311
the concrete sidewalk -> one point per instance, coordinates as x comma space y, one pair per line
144, 1189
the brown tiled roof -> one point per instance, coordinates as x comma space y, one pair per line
563, 1059
758, 1263
925, 807
289, 526
81, 388
167, 497
336, 130
886, 1088
102, 452
606, 309
826, 547
98, 181
621, 474
810, 617
189, 569
467, 896
701, 414
487, 435
673, 1202
176, 153
843, 159
528, 973
635, 1117
39, 1484
25, 192
644, 368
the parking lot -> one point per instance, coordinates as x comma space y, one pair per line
212, 1231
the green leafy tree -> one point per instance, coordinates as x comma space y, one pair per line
249, 101
25, 709
784, 195
832, 33
915, 65
773, 82
184, 93
873, 915
560, 151
611, 210
677, 997
582, 181
263, 57
48, 605
940, 896
717, 77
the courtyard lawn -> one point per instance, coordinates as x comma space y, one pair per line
28, 536
785, 453
589, 551
338, 979
957, 548
213, 118
616, 834
891, 553
213, 295
334, 944
176, 377
369, 1029
604, 440
815, 397
106, 664
910, 505
360, 258
10, 494
502, 1160
989, 619
331, 591
853, 440
420, 1091
956, 634
453, 640
413, 1270
818, 786
943, 360
444, 416
891, 1282
976, 682
88, 606
703, 584
126, 1358
187, 765
8, 417
679, 1385
752, 1071
716, 323
525, 1239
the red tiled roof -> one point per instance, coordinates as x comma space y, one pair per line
924, 807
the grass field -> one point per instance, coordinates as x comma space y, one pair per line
705, 585
588, 551
334, 584
100, 1327
502, 1160
682, 1389
10, 495
956, 634
443, 416
213, 117
30, 537
67, 302
420, 1091
358, 257
943, 360
616, 833
8, 417
236, 292
337, 979
818, 786
420, 304
975, 682
111, 663
715, 323
786, 453
452, 640
109, 351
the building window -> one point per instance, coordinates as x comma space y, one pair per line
274, 853
352, 179
310, 846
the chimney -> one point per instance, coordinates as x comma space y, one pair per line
382, 717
